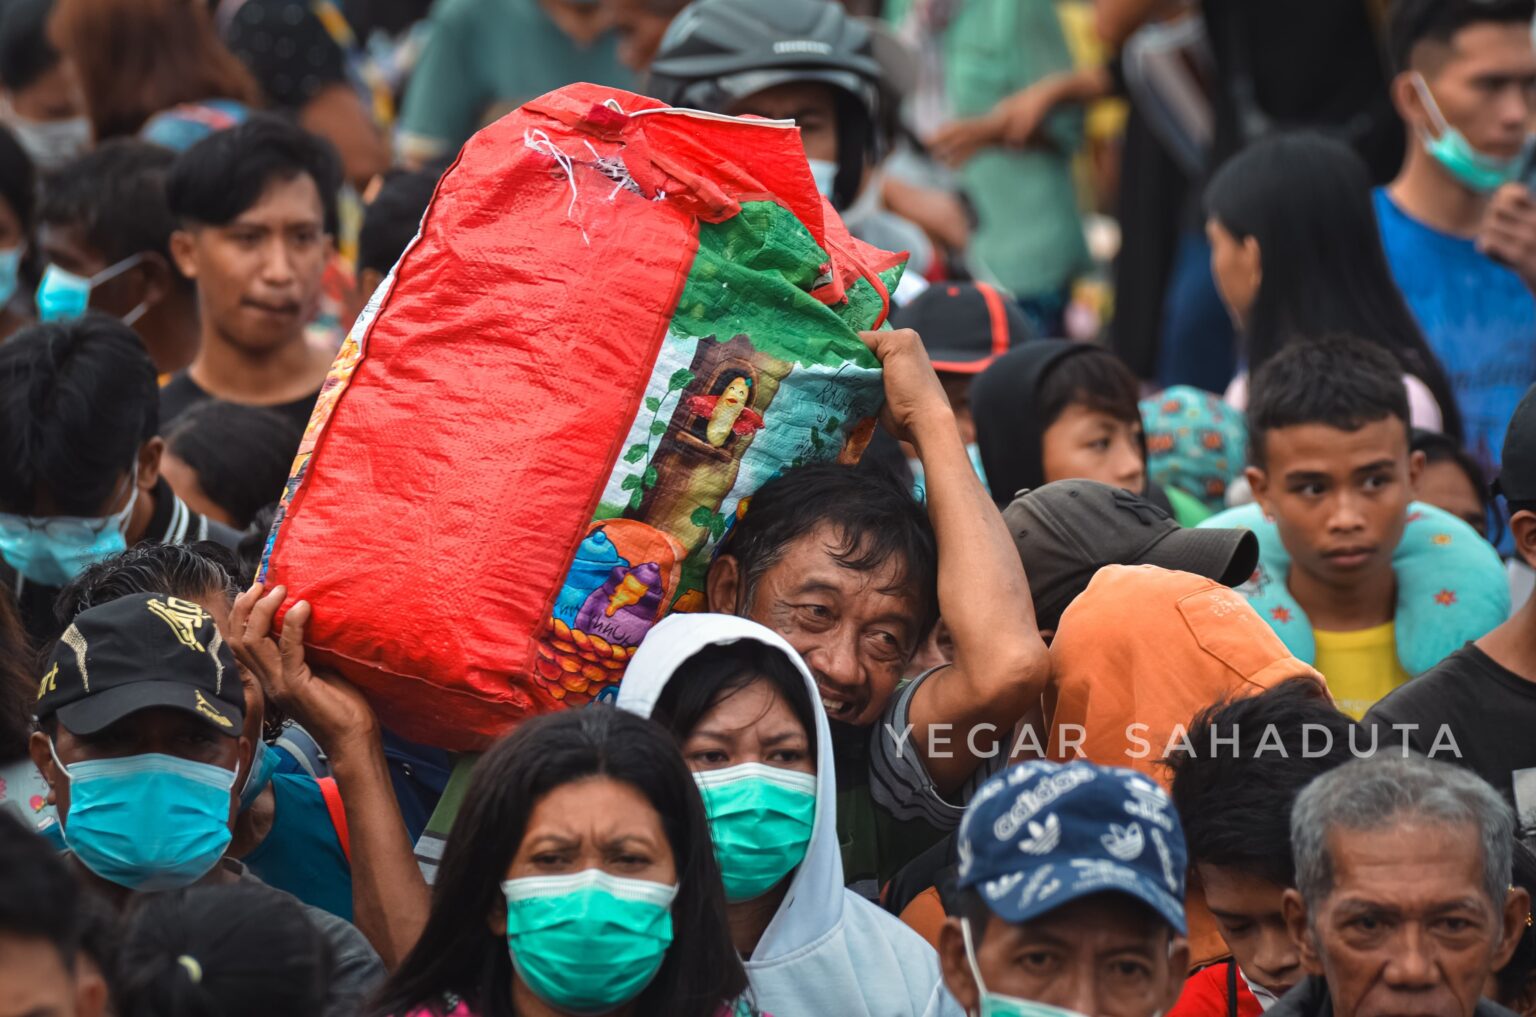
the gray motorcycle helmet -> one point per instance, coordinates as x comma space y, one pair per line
718, 52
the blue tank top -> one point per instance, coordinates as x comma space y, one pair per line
302, 854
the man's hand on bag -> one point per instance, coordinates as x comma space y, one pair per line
914, 399
1508, 233
332, 711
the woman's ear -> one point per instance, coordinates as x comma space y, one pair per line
1253, 262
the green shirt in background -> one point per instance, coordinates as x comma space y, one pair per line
484, 57
1030, 236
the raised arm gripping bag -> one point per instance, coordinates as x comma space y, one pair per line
618, 321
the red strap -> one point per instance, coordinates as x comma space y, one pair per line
997, 317
332, 796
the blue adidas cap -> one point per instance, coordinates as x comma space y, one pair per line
1040, 835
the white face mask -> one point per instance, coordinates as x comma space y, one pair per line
50, 144
825, 173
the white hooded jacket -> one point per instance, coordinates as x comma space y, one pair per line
827, 950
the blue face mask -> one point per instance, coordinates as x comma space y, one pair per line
10, 268
1477, 171
150, 822
51, 551
64, 296
262, 768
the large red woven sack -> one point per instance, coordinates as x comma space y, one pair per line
617, 322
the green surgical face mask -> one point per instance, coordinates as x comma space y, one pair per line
587, 942
1476, 170
761, 819
996, 1005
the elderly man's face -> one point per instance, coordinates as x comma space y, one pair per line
1407, 930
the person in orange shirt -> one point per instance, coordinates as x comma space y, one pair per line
1135, 659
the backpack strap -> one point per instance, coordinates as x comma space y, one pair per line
1232, 987
332, 796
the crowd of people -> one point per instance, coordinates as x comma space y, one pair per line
1170, 652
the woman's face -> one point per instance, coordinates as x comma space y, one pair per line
1237, 269
1444, 485
595, 823
752, 724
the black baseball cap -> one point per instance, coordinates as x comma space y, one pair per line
137, 652
965, 326
1066, 531
1517, 477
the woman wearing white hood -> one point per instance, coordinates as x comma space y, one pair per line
742, 706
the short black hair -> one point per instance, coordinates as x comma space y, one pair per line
1415, 21
77, 401
392, 219
1339, 381
115, 194
719, 670
238, 951
241, 454
878, 522
222, 176
1094, 378
18, 181
38, 896
1234, 801
26, 53
186, 571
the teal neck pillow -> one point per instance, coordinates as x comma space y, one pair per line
1451, 586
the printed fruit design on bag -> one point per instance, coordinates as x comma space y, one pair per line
720, 418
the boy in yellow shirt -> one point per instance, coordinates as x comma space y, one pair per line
1332, 467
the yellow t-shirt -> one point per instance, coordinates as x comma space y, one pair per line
1361, 667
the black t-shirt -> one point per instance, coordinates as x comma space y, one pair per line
1490, 712
181, 393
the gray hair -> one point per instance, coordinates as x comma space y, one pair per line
1371, 793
